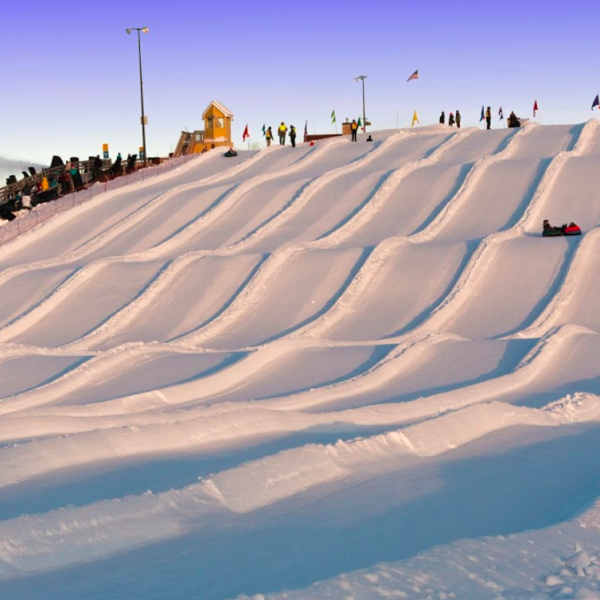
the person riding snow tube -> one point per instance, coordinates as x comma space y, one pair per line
571, 229
550, 231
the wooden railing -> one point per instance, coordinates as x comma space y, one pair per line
85, 168
29, 219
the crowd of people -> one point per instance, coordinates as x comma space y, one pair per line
282, 132
58, 180
455, 118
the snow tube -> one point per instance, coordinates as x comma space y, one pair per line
572, 230
555, 231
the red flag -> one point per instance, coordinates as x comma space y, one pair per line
246, 134
535, 108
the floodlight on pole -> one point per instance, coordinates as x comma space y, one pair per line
362, 78
143, 118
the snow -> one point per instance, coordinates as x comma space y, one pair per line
346, 371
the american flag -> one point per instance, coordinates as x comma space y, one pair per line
415, 75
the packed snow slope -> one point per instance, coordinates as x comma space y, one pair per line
347, 371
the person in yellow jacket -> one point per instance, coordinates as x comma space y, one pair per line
45, 185
269, 136
282, 131
354, 129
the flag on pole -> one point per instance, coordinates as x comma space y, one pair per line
482, 117
264, 129
535, 108
596, 102
415, 119
333, 116
359, 123
305, 129
245, 134
500, 114
415, 75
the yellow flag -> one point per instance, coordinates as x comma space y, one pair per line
415, 119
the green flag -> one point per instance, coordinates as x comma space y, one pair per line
264, 130
359, 122
333, 116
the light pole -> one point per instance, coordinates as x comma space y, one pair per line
362, 78
143, 119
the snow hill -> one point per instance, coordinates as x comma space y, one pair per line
345, 371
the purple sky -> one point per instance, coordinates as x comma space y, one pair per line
71, 73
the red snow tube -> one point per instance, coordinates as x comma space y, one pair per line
572, 229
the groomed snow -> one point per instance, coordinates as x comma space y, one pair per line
343, 371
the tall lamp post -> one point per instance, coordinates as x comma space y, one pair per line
362, 78
143, 119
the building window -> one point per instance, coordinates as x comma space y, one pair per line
199, 136
218, 122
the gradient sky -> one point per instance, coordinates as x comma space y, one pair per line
71, 80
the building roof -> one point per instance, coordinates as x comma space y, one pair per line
221, 107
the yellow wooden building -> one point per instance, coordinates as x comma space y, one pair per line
217, 132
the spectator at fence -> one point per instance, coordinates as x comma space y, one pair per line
130, 167
97, 168
6, 214
64, 179
117, 167
26, 196
76, 178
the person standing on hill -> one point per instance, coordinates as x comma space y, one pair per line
488, 117
354, 129
282, 131
442, 118
458, 119
451, 120
269, 136
293, 136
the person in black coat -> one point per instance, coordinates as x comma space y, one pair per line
26, 196
451, 120
97, 168
6, 214
293, 136
442, 118
513, 120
